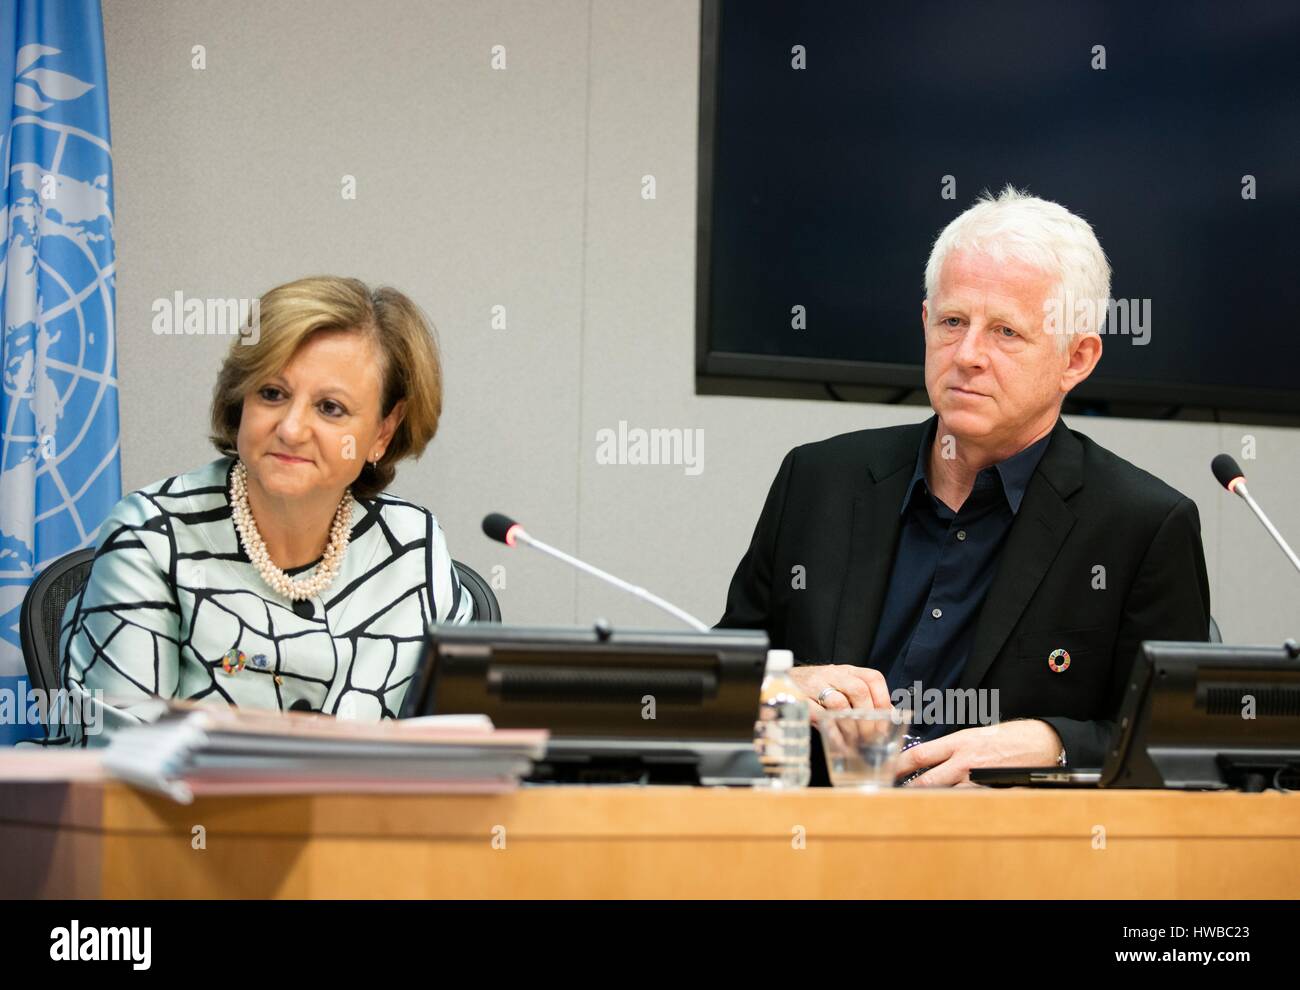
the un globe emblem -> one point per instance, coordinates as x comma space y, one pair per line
60, 469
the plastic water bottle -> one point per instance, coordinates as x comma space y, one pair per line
781, 734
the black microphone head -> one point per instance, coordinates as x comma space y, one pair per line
1227, 470
498, 526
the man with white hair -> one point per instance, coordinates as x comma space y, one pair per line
991, 553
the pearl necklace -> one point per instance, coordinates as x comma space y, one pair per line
295, 589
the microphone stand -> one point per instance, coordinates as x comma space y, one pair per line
1240, 489
632, 589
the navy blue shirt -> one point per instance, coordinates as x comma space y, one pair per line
942, 572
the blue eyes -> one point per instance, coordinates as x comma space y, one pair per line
955, 321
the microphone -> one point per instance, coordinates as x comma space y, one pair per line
505, 530
1231, 477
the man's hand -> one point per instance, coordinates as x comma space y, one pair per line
1022, 743
851, 687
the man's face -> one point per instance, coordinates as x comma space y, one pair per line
992, 370
305, 432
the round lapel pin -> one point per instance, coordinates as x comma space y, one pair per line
1058, 660
233, 662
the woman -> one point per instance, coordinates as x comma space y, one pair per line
281, 575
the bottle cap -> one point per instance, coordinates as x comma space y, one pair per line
779, 661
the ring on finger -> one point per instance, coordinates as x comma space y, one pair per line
821, 697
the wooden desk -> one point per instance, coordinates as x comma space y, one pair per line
96, 839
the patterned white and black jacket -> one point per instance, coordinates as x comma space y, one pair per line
173, 601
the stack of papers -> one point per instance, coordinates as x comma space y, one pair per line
197, 750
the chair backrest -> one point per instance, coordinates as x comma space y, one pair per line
42, 612
486, 608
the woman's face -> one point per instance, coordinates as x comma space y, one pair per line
306, 432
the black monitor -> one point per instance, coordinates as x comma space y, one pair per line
838, 139
621, 706
1209, 716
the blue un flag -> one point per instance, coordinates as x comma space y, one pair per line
59, 474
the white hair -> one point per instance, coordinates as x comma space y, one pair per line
1043, 235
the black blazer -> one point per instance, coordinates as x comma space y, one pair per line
834, 510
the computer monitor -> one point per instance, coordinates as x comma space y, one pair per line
650, 706
1209, 716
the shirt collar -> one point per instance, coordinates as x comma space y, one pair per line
1014, 472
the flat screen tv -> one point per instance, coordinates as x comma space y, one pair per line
838, 139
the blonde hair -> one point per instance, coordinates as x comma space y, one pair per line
288, 314
1038, 233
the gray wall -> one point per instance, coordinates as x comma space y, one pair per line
519, 188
